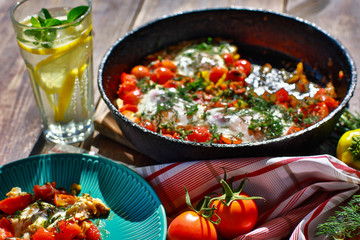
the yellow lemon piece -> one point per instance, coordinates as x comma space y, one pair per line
65, 95
51, 73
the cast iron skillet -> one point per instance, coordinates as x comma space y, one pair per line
262, 36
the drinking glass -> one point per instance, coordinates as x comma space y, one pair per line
55, 41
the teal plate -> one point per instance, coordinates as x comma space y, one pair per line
136, 211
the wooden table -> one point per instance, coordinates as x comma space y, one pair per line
20, 126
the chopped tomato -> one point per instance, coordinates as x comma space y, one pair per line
140, 72
12, 204
161, 75
6, 229
132, 97
199, 134
130, 115
237, 87
216, 73
43, 234
64, 200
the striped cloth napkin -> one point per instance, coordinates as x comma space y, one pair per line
300, 192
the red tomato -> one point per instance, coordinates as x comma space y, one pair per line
191, 226
293, 129
167, 64
128, 107
6, 229
235, 75
64, 200
321, 110
12, 204
238, 218
148, 125
125, 77
43, 234
132, 97
282, 95
47, 191
92, 233
226, 140
140, 72
170, 84
161, 75
229, 59
243, 65
67, 230
199, 134
216, 73
125, 88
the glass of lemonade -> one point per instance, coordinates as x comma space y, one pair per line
55, 40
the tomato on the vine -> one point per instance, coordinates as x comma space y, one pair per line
190, 225
194, 224
237, 210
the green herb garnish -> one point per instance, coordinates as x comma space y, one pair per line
44, 20
345, 222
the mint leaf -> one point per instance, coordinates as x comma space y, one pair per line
76, 13
44, 14
35, 22
52, 22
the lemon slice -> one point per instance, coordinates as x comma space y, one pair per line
65, 95
59, 47
51, 73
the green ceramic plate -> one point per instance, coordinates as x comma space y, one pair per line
136, 211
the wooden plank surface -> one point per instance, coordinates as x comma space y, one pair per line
20, 125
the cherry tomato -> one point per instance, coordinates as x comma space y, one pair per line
43, 234
92, 233
12, 204
216, 73
67, 230
132, 97
128, 107
226, 140
199, 134
170, 84
166, 63
321, 110
125, 77
229, 59
293, 129
6, 229
47, 191
64, 200
282, 95
235, 75
161, 75
191, 226
125, 88
244, 65
148, 125
140, 72
238, 218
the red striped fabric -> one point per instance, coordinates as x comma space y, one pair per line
300, 192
